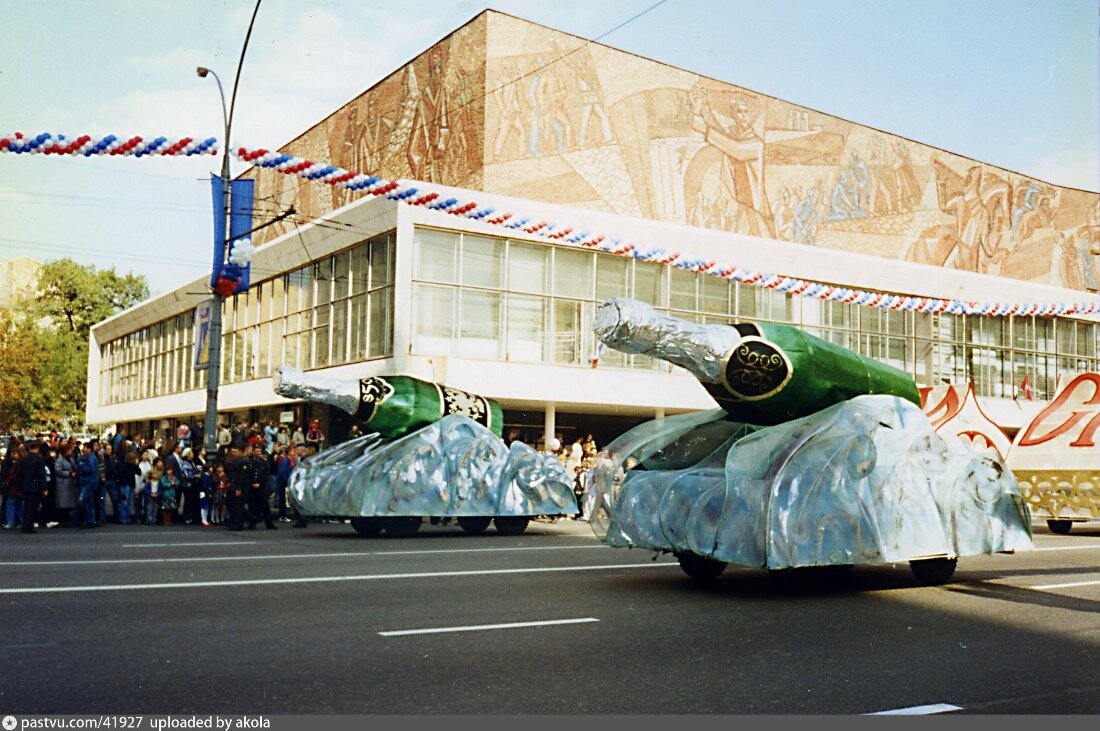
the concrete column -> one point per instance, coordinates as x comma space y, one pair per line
549, 425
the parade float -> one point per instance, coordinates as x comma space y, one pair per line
1056, 456
817, 457
432, 452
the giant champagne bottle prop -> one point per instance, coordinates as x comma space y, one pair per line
760, 373
391, 405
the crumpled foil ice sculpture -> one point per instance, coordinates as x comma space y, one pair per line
864, 481
860, 479
453, 467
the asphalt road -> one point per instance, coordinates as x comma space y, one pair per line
183, 619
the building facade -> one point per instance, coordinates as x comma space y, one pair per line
608, 141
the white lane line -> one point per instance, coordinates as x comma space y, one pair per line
918, 710
480, 627
283, 556
199, 543
1070, 585
323, 579
1064, 548
486, 550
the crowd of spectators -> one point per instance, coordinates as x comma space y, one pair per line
130, 480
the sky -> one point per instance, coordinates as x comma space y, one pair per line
1014, 83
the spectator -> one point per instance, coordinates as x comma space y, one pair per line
270, 432
314, 437
64, 468
189, 476
283, 468
257, 472
169, 494
205, 494
235, 470
152, 503
14, 507
298, 439
220, 489
127, 476
34, 484
225, 438
239, 437
144, 491
87, 480
282, 438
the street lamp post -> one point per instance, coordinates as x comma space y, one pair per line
213, 370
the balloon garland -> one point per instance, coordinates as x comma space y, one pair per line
335, 176
86, 145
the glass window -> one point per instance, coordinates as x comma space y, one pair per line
340, 332
381, 323
528, 267
573, 275
358, 326
436, 255
681, 290
715, 294
322, 282
340, 275
360, 268
482, 260
381, 261
435, 318
527, 328
568, 332
480, 324
612, 277
649, 283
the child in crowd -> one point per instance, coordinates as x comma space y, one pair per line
206, 489
152, 490
169, 489
221, 488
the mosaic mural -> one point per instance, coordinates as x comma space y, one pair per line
511, 107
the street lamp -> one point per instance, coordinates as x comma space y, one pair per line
213, 369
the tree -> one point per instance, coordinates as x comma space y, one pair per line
47, 341
78, 296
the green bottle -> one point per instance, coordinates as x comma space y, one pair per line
393, 406
397, 405
760, 373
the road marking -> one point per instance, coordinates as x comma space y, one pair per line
919, 710
483, 550
1070, 585
34, 645
480, 627
324, 579
1065, 548
199, 543
283, 556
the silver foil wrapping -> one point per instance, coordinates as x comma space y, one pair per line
292, 383
453, 467
631, 326
865, 481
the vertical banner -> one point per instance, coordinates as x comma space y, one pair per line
202, 335
217, 193
240, 222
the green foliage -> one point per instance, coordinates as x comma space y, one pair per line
44, 343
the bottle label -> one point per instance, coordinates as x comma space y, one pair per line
756, 369
373, 392
453, 401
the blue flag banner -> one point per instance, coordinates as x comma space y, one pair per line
240, 222
217, 193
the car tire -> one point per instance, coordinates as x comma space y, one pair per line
402, 527
510, 525
933, 571
699, 567
367, 526
1061, 527
474, 525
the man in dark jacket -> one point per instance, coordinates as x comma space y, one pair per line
87, 483
235, 470
34, 483
259, 508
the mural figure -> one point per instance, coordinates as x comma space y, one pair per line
804, 223
738, 175
509, 114
979, 206
431, 128
591, 100
550, 127
783, 215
